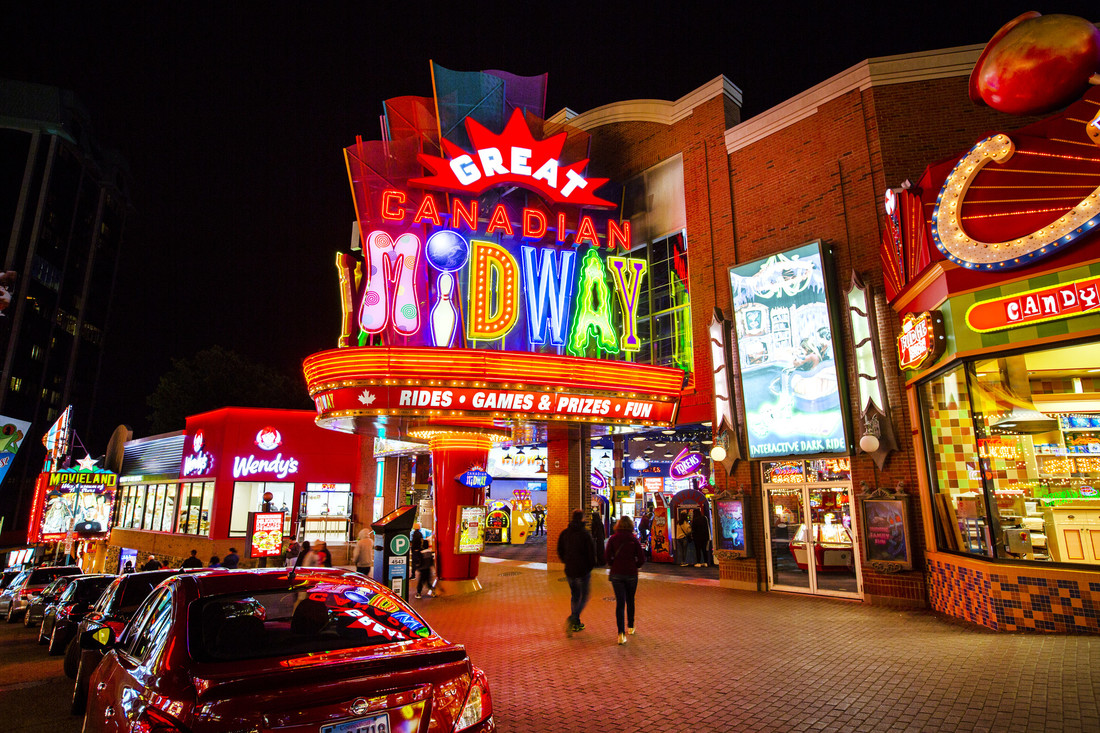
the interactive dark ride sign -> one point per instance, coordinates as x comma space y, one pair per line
497, 285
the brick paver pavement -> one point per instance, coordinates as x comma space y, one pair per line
711, 659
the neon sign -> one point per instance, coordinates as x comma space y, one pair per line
1035, 306
922, 339
516, 157
456, 273
685, 465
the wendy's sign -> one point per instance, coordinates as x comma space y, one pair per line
686, 464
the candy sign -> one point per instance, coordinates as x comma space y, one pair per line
1035, 306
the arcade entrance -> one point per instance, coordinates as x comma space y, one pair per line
810, 528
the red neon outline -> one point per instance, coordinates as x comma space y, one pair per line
561, 233
586, 233
529, 233
428, 210
616, 236
388, 214
500, 221
464, 216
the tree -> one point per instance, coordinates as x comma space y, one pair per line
216, 378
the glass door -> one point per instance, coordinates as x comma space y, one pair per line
810, 531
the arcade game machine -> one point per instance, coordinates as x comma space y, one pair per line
523, 521
660, 532
497, 523
624, 501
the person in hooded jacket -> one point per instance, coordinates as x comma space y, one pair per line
624, 556
700, 535
598, 537
364, 551
577, 550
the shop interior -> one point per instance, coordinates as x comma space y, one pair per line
1014, 447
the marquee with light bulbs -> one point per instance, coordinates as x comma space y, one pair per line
492, 280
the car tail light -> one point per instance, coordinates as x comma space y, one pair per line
66, 609
154, 721
27, 592
479, 704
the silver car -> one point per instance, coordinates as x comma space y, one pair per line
17, 596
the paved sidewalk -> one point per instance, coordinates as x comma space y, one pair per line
711, 659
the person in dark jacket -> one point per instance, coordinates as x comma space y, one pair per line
577, 550
192, 562
624, 556
700, 535
151, 564
232, 560
598, 537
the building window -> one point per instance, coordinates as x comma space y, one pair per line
16, 384
248, 496
1014, 455
664, 308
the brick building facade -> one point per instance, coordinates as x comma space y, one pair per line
812, 168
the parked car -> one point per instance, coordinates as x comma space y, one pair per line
114, 608
16, 597
38, 600
326, 650
7, 578
60, 619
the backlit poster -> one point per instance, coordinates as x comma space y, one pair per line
12, 432
265, 534
787, 359
470, 538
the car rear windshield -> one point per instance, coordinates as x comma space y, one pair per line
285, 623
42, 576
88, 589
138, 587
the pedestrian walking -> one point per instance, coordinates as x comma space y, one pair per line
128, 567
324, 557
151, 564
700, 535
292, 551
577, 550
309, 556
364, 551
683, 538
191, 562
645, 524
426, 560
232, 560
540, 520
624, 556
598, 538
416, 541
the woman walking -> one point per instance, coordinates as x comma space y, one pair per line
624, 556
683, 538
598, 538
700, 535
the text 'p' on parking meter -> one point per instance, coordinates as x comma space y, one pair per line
391, 549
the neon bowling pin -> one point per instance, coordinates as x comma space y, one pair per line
444, 316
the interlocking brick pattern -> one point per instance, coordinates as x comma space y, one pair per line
1007, 600
712, 659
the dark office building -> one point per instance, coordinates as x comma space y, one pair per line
63, 207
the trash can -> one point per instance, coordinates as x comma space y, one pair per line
391, 549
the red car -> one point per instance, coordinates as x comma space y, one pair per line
322, 650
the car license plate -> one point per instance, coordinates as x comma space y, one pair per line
373, 724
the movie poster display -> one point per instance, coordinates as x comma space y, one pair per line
886, 533
265, 534
78, 500
470, 539
792, 386
730, 522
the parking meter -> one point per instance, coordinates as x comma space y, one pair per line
391, 549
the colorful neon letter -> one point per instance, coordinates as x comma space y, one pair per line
391, 263
627, 274
547, 290
593, 310
493, 291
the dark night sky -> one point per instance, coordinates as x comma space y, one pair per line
233, 117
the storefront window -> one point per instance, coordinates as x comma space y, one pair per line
194, 514
1014, 446
248, 496
152, 507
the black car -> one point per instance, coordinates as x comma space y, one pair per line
7, 578
16, 597
60, 619
40, 599
114, 609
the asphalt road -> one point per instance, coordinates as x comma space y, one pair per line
34, 692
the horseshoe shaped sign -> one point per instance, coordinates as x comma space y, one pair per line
960, 247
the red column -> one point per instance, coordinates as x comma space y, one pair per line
452, 455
